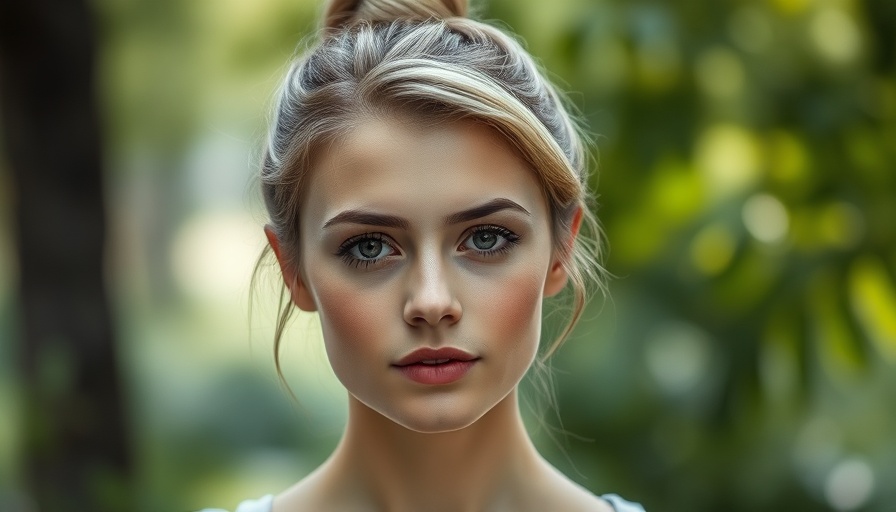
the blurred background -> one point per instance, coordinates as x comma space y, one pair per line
747, 186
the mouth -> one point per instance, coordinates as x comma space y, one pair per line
434, 361
436, 367
435, 356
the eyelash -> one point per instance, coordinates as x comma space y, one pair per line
511, 240
344, 251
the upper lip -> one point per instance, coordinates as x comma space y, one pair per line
430, 354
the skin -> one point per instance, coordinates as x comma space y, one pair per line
386, 287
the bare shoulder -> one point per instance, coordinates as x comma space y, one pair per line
304, 496
579, 499
558, 492
316, 493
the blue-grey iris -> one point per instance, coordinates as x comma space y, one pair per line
484, 240
370, 248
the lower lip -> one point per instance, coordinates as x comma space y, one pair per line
437, 374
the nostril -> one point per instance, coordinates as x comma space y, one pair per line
421, 313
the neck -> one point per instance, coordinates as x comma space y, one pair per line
404, 470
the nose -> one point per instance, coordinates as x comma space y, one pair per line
430, 296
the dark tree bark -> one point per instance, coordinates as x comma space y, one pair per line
76, 450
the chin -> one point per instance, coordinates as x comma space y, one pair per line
434, 416
434, 425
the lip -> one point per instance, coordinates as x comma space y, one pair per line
452, 365
434, 354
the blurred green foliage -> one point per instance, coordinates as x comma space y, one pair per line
746, 156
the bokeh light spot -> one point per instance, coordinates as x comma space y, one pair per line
676, 192
766, 218
677, 355
213, 255
729, 159
835, 35
849, 485
712, 249
719, 73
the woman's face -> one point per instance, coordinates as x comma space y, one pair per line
416, 238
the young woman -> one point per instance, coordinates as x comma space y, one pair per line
425, 187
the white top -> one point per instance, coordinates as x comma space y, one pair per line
266, 504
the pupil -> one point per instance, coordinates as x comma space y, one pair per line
485, 240
370, 248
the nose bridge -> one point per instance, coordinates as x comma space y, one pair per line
431, 294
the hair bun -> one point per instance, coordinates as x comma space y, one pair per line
341, 13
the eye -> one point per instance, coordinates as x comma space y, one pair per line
365, 249
490, 240
369, 249
484, 240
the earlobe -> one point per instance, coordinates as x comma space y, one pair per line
299, 293
557, 276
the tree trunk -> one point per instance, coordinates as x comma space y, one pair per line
75, 443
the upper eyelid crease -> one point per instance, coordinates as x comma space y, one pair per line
392, 221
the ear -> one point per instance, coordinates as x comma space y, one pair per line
557, 276
299, 293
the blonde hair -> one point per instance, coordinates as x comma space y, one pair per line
423, 58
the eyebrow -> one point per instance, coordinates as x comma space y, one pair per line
391, 221
493, 206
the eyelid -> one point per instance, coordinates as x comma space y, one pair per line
344, 251
494, 228
511, 239
352, 240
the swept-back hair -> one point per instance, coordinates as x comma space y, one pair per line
426, 60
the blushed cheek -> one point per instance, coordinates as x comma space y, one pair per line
515, 313
348, 326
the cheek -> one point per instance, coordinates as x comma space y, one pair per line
521, 306
514, 313
510, 325
350, 322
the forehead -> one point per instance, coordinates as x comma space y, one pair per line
413, 169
